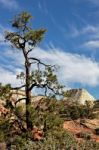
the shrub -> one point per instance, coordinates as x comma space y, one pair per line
84, 135
75, 111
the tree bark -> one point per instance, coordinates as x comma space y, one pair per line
28, 96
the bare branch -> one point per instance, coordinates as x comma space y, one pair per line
45, 91
53, 90
38, 86
20, 99
33, 85
39, 62
29, 51
17, 88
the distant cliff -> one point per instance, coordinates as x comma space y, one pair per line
79, 95
75, 95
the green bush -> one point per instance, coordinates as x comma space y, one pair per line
88, 145
84, 135
75, 111
48, 115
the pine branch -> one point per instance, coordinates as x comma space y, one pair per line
20, 99
17, 88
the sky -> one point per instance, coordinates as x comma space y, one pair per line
71, 41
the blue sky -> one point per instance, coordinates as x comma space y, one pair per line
72, 40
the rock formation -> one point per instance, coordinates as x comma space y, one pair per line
75, 95
79, 95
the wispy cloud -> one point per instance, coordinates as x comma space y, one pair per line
43, 7
2, 34
89, 34
8, 77
92, 44
40, 6
10, 4
74, 68
89, 30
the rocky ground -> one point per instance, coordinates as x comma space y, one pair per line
83, 129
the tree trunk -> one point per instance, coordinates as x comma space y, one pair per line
28, 96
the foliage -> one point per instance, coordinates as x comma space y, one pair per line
88, 145
84, 135
5, 91
75, 111
45, 116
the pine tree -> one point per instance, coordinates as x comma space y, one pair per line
25, 39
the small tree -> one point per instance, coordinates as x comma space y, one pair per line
26, 39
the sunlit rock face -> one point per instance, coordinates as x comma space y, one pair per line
20, 94
3, 110
16, 95
79, 95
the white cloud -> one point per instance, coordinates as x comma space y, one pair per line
15, 55
1, 38
92, 44
74, 68
10, 4
7, 76
90, 30
90, 34
3, 29
1, 34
